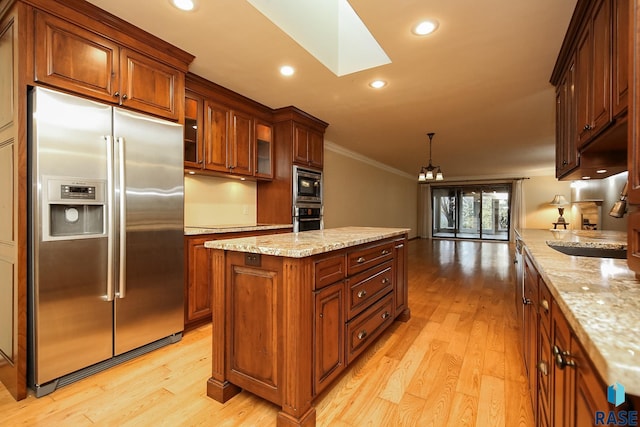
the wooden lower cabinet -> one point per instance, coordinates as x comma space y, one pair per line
328, 340
292, 325
198, 278
566, 390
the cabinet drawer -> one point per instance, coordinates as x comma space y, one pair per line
365, 258
329, 270
544, 306
368, 325
368, 286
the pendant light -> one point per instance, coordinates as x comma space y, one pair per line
427, 172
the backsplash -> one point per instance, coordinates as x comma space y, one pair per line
213, 201
606, 192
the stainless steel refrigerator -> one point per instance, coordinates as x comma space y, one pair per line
106, 250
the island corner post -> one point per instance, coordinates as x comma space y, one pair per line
266, 318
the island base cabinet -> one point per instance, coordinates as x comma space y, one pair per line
285, 328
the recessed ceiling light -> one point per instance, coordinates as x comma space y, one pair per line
425, 27
586, 177
377, 84
287, 70
186, 5
601, 171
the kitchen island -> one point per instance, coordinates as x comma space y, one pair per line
292, 311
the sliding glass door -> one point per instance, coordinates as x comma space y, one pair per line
471, 212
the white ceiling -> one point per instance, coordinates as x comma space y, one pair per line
481, 82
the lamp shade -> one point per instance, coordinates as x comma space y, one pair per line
559, 200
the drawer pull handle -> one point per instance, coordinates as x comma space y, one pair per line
561, 357
385, 315
362, 294
545, 305
385, 252
360, 260
385, 280
362, 334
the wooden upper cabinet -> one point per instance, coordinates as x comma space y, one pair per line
75, 59
594, 73
216, 123
148, 85
263, 160
78, 60
308, 147
241, 144
620, 61
228, 140
566, 150
193, 130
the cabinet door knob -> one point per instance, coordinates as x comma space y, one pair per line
385, 280
526, 301
360, 260
116, 94
362, 294
385, 315
543, 368
545, 305
362, 334
385, 252
124, 97
587, 127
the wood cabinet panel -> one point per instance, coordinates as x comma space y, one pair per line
198, 280
601, 67
562, 394
240, 145
300, 144
216, 122
75, 59
147, 85
255, 325
582, 86
566, 144
620, 60
329, 347
400, 286
329, 270
316, 149
193, 130
79, 60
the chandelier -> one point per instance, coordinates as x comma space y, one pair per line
427, 172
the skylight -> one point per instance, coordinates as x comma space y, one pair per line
330, 30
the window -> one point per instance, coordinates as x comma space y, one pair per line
471, 211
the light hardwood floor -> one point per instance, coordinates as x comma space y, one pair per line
457, 362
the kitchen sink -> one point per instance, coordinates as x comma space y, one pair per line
590, 251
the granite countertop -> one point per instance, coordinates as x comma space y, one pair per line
215, 229
307, 243
600, 297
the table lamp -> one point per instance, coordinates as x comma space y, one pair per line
559, 201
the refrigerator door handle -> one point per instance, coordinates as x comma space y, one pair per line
110, 219
122, 184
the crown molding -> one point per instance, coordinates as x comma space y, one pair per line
364, 159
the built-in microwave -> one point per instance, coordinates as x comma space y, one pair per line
307, 185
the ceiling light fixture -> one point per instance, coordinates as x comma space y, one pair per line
287, 70
186, 5
426, 172
378, 84
425, 28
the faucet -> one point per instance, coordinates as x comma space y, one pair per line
620, 207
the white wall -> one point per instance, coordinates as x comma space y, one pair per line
361, 192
